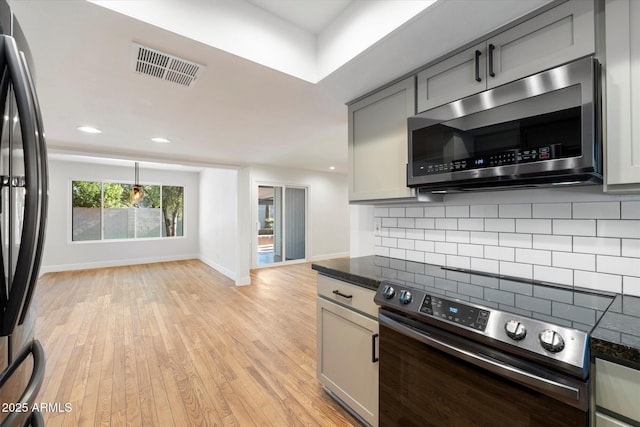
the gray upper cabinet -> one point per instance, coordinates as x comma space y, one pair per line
551, 38
378, 144
622, 96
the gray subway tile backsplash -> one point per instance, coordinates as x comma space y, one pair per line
593, 244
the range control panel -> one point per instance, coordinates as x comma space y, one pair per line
455, 311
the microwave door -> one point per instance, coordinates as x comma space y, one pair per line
22, 186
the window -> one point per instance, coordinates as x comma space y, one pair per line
104, 211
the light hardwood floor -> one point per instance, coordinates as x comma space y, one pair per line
178, 344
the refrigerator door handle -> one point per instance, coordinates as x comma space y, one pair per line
32, 200
28, 396
43, 191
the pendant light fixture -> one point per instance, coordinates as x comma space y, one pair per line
136, 193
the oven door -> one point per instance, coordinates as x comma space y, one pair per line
430, 377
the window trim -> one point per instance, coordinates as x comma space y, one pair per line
102, 240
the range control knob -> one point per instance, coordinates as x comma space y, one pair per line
551, 341
388, 292
515, 330
405, 297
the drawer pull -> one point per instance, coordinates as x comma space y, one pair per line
374, 359
340, 294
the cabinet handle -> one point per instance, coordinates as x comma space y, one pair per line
491, 49
337, 292
478, 53
374, 359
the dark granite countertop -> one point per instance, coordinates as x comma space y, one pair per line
616, 337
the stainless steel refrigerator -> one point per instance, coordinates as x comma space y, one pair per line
23, 212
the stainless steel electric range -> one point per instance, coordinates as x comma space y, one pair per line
474, 349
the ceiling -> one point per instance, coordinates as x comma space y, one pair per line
240, 111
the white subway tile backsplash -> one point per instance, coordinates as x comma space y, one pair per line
622, 228
434, 211
574, 227
425, 246
553, 243
414, 212
484, 238
397, 253
457, 211
446, 224
573, 260
415, 256
515, 240
604, 282
380, 212
618, 265
533, 256
516, 269
446, 248
630, 210
486, 265
471, 224
504, 225
398, 233
631, 248
435, 235
596, 245
406, 222
457, 236
459, 261
390, 242
425, 223
515, 211
397, 212
389, 222
537, 226
631, 285
484, 211
406, 244
553, 275
499, 253
552, 210
596, 210
476, 251
414, 233
582, 242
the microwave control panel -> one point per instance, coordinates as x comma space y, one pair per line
502, 158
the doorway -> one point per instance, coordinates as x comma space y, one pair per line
281, 224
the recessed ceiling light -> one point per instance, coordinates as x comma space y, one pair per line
332, 168
160, 140
89, 129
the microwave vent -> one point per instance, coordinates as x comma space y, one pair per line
164, 66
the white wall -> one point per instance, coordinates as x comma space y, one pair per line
219, 220
60, 253
576, 237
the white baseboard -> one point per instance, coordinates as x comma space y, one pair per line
112, 263
242, 281
325, 257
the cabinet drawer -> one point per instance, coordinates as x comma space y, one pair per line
618, 388
344, 293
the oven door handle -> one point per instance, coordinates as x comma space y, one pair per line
490, 364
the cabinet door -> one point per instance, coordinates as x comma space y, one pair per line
347, 363
453, 78
622, 105
603, 420
618, 388
378, 145
552, 38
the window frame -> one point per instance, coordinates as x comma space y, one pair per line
102, 240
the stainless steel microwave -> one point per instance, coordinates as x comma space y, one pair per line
541, 130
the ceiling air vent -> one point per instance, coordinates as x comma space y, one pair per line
161, 65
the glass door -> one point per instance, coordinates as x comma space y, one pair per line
281, 224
